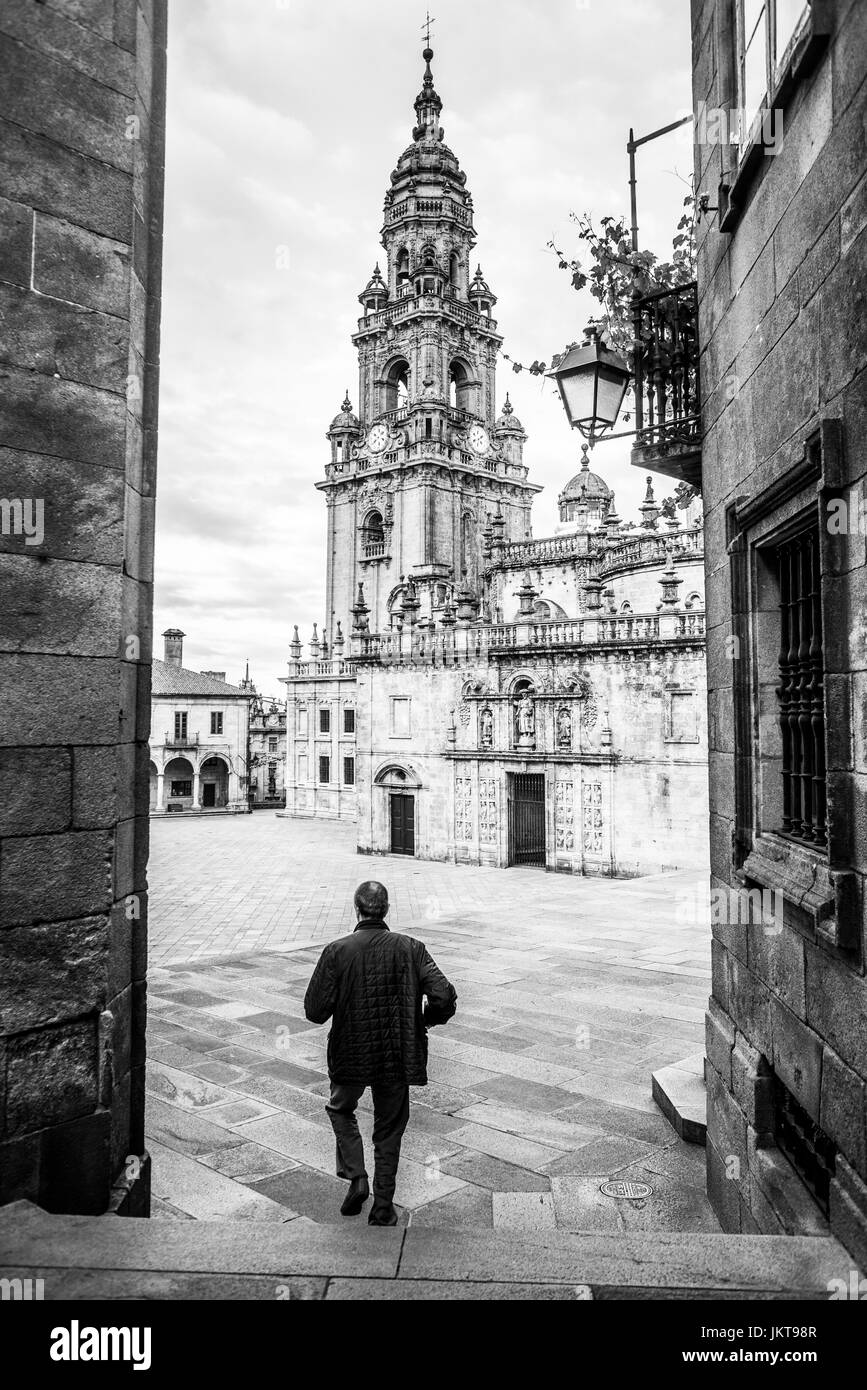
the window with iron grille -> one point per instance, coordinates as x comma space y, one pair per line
809, 1150
349, 772
325, 721
324, 769
272, 745
349, 721
800, 693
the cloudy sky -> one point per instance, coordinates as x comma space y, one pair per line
285, 120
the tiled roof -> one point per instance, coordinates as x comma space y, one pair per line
173, 680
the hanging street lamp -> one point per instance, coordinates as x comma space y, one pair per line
592, 381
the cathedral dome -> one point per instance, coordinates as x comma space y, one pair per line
586, 498
585, 487
346, 420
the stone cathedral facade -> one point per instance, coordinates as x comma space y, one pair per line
475, 694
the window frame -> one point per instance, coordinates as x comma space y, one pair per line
348, 762
349, 719
325, 719
818, 898
217, 719
324, 765
783, 74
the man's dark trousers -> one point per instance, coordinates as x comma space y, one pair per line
390, 1116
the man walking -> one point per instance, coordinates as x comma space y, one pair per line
372, 985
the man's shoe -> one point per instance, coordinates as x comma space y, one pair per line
358, 1193
382, 1214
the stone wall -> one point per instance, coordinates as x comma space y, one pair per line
81, 149
782, 333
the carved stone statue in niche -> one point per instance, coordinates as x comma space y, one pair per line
525, 721
564, 728
486, 729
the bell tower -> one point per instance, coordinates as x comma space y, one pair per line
416, 476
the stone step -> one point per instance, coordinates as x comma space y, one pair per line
680, 1093
109, 1257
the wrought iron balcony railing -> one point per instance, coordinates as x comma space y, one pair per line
667, 390
187, 741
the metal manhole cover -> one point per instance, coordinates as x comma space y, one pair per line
632, 1191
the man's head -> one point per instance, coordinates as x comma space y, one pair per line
371, 900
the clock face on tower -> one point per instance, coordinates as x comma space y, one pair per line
479, 441
377, 439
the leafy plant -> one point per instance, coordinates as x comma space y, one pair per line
615, 273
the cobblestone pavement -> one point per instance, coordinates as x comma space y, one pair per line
570, 992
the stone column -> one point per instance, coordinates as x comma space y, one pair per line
161, 777
196, 789
81, 168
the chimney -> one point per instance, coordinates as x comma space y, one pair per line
174, 647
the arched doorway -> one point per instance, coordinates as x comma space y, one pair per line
178, 785
399, 789
214, 784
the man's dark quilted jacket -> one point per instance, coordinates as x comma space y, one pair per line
370, 984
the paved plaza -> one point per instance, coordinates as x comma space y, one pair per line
570, 992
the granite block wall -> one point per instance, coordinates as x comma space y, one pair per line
784, 362
82, 100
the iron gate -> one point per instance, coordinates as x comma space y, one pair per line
526, 818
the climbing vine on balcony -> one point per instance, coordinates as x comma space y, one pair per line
614, 272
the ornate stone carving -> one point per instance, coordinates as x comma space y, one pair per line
463, 808
486, 728
525, 721
591, 799
564, 816
563, 729
487, 810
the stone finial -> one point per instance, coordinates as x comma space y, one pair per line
527, 595
295, 645
650, 509
314, 642
359, 612
669, 581
339, 641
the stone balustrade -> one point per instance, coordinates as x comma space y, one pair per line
625, 553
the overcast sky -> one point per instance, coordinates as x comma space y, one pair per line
285, 119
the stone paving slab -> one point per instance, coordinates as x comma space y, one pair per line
524, 1211
208, 1194
106, 1254
298, 1247
663, 1260
570, 993
427, 1290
